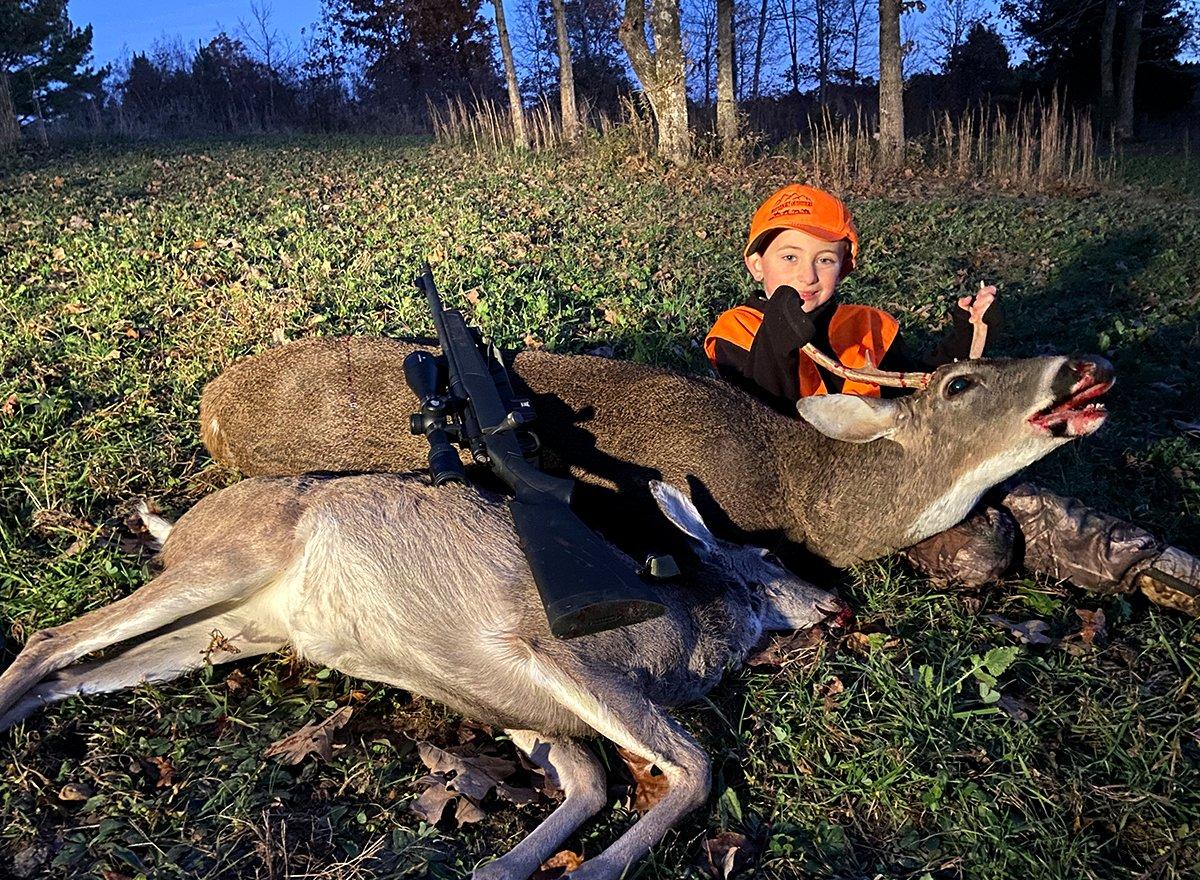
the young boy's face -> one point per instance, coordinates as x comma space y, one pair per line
811, 265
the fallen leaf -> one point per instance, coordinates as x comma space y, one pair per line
475, 776
863, 643
1014, 708
1093, 624
430, 804
558, 865
532, 342
199, 244
166, 772
829, 690
235, 681
726, 854
1031, 632
311, 739
780, 651
472, 296
76, 222
648, 787
74, 791
9, 405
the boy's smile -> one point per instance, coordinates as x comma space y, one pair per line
800, 260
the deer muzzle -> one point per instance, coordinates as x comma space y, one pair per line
1077, 409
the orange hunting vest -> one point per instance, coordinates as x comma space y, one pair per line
854, 332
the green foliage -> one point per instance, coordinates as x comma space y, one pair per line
44, 56
129, 278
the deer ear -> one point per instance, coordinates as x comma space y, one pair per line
850, 417
678, 508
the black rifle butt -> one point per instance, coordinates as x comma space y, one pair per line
583, 588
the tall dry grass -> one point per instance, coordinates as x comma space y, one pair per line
1039, 145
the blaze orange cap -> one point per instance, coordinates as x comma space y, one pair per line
808, 209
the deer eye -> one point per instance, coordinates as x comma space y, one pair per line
957, 386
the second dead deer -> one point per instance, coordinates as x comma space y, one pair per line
386, 578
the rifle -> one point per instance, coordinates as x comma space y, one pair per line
466, 397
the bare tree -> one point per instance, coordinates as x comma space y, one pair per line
758, 49
826, 21
532, 41
891, 85
789, 14
951, 21
1129, 60
272, 49
1107, 92
566, 75
700, 32
661, 71
859, 23
727, 125
516, 109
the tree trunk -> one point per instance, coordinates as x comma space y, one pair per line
891, 85
566, 75
10, 132
661, 72
515, 107
1107, 91
1129, 61
758, 48
727, 127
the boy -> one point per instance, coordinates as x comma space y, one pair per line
802, 243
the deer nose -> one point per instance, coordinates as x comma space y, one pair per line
1092, 367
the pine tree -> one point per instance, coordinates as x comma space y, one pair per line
43, 58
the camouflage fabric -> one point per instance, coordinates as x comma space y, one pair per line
1064, 539
976, 551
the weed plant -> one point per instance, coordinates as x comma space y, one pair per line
933, 745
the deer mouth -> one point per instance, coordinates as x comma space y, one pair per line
1083, 411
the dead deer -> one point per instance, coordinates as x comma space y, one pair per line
383, 577
854, 479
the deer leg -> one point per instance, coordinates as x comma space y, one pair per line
192, 585
182, 648
581, 778
619, 712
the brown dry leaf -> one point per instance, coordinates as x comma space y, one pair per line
1015, 708
311, 739
9, 405
166, 772
532, 342
467, 811
830, 690
1031, 632
74, 791
648, 788
58, 255
1093, 624
235, 681
76, 222
199, 244
472, 296
861, 642
75, 308
475, 775
432, 801
611, 316
558, 865
726, 854
784, 650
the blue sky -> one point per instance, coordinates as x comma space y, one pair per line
121, 28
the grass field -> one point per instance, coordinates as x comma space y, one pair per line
129, 277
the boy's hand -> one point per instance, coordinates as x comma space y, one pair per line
976, 305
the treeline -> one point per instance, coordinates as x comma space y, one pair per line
757, 67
